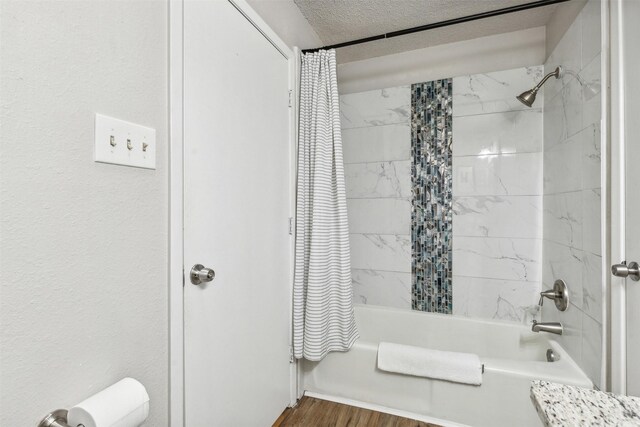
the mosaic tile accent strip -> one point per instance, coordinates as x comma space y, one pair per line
432, 214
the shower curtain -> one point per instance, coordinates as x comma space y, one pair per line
323, 318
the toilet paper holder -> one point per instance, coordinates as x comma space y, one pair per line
125, 403
57, 418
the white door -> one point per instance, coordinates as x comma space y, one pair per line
625, 139
236, 208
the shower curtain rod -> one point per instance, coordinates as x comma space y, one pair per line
497, 12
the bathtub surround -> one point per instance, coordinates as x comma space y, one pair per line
572, 189
497, 196
377, 143
431, 216
323, 318
496, 190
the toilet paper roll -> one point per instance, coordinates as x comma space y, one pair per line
124, 404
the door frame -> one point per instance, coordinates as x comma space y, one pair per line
619, 143
176, 194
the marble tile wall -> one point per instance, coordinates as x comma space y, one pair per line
497, 196
376, 147
572, 189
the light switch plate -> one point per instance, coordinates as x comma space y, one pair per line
123, 143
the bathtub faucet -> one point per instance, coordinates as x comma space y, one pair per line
553, 327
559, 294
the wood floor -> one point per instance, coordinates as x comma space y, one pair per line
312, 412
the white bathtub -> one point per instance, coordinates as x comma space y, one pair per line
513, 356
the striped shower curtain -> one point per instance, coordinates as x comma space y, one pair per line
323, 318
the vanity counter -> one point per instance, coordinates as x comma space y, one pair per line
565, 405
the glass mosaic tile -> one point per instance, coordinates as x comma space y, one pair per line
432, 215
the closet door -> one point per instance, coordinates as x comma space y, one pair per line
236, 208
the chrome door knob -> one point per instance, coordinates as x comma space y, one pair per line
623, 270
201, 274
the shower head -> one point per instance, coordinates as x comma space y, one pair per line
528, 97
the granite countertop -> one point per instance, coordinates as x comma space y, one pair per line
565, 405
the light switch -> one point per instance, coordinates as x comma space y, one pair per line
124, 143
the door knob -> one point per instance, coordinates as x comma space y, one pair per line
201, 274
623, 270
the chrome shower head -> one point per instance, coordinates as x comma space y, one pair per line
528, 97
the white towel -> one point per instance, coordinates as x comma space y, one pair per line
423, 362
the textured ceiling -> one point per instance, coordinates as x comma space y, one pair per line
337, 21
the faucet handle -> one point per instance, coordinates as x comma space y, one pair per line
559, 294
551, 294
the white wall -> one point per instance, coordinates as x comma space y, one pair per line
83, 248
485, 54
572, 248
560, 21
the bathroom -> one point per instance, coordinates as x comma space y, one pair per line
467, 256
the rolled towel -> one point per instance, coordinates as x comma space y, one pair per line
423, 362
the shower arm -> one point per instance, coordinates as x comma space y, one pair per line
557, 73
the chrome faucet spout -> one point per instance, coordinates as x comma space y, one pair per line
551, 327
